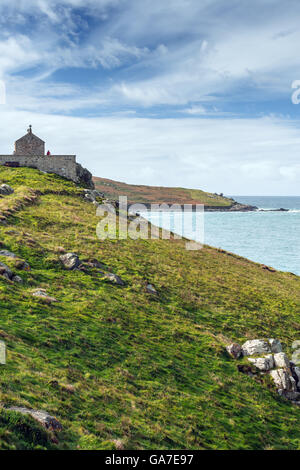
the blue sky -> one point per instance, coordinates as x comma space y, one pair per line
176, 93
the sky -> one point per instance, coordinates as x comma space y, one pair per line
188, 93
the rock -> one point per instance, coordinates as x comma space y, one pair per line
296, 371
114, 279
92, 194
119, 444
255, 347
45, 419
5, 189
70, 260
263, 363
8, 254
281, 360
5, 271
42, 294
246, 369
275, 345
20, 264
151, 290
84, 176
283, 380
17, 279
234, 350
289, 395
269, 268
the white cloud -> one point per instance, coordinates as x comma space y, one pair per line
234, 156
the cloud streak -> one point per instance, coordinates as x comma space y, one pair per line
177, 93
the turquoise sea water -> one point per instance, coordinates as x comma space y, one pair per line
271, 238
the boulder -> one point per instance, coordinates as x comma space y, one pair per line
17, 279
281, 360
289, 395
114, 279
92, 194
275, 345
151, 289
234, 350
283, 380
5, 271
296, 371
6, 190
42, 294
8, 254
45, 419
256, 347
70, 261
263, 363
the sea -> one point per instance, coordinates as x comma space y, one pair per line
271, 238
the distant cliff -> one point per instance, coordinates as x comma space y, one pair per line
158, 195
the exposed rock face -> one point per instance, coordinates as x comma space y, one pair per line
8, 254
44, 418
237, 207
256, 347
70, 261
5, 271
281, 360
285, 374
234, 350
92, 194
296, 370
275, 345
290, 395
84, 176
263, 363
283, 380
6, 190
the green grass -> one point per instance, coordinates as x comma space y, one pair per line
149, 371
159, 195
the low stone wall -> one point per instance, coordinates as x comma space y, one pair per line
63, 165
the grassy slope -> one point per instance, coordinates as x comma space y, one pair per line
149, 371
159, 195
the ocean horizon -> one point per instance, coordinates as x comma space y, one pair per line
270, 238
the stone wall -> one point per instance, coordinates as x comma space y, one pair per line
30, 144
63, 165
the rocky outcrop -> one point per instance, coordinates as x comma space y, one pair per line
92, 195
84, 176
255, 347
263, 363
234, 350
6, 190
7, 273
45, 419
270, 359
70, 261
